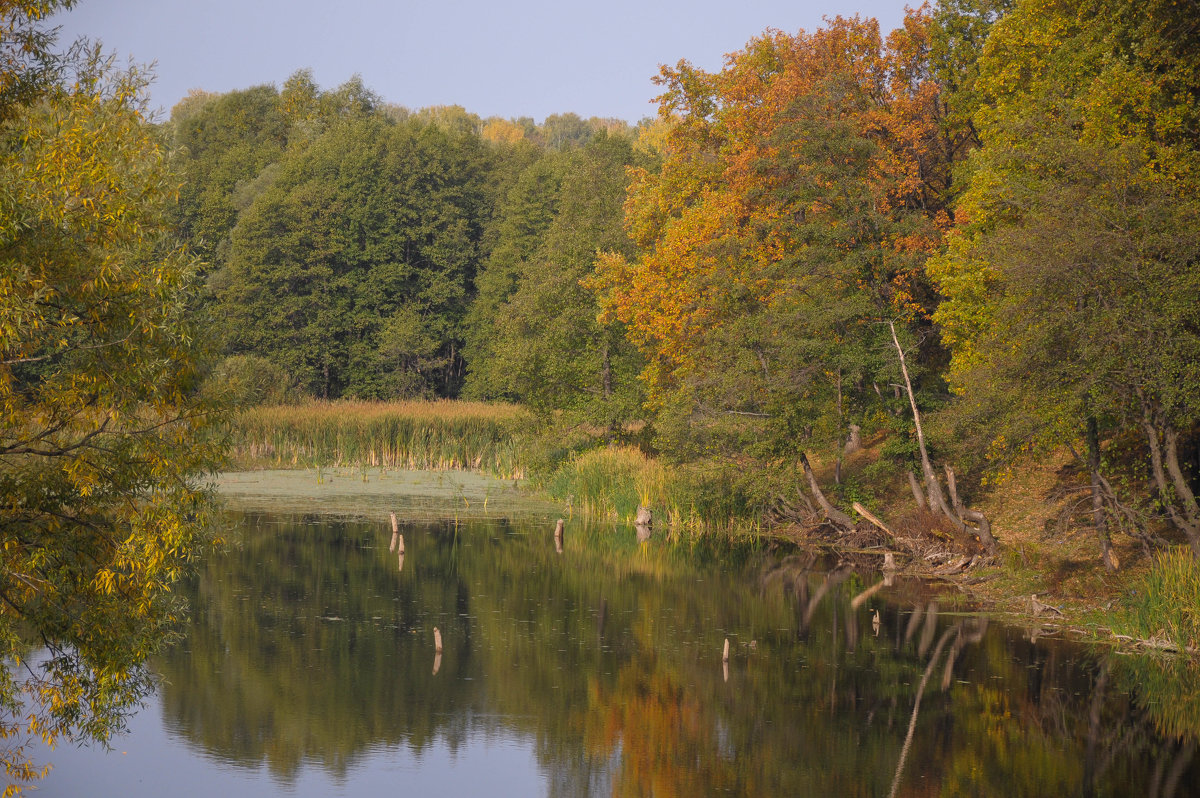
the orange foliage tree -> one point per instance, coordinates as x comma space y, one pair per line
802, 188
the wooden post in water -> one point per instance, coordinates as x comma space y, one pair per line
725, 655
395, 535
437, 640
558, 536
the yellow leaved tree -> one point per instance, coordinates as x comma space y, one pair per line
103, 438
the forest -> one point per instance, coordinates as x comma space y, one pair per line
985, 220
970, 245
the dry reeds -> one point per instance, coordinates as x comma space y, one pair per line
409, 435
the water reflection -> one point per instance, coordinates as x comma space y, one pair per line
309, 648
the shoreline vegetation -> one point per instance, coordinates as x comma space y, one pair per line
602, 483
414, 435
1039, 574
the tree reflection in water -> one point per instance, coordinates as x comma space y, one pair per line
308, 646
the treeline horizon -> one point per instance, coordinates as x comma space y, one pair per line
993, 206
364, 249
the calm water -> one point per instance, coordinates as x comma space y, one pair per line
309, 669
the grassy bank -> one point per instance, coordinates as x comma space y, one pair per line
1162, 603
411, 435
610, 483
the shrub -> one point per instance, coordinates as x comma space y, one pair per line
248, 381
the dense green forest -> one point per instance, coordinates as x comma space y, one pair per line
371, 252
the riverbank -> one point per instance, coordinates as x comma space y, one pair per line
1045, 574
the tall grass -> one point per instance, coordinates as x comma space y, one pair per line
605, 484
610, 483
411, 435
1165, 602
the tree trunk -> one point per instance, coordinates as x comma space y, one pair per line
1155, 428
952, 485
1156, 467
854, 441
917, 493
984, 529
605, 373
841, 448
865, 513
1099, 521
937, 499
832, 514
808, 505
1182, 490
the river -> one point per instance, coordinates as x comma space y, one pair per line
309, 668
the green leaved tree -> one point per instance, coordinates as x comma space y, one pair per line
548, 348
352, 269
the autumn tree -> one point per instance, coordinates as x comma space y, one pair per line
103, 442
802, 189
1071, 277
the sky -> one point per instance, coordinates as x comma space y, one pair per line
506, 58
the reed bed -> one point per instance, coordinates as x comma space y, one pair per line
605, 484
609, 484
1164, 603
407, 435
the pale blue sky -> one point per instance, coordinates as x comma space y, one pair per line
515, 58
